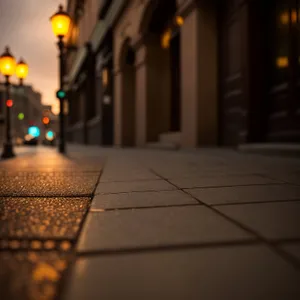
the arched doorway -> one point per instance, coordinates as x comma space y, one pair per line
127, 60
162, 40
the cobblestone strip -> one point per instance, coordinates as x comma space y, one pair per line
39, 226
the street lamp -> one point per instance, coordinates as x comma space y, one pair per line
21, 70
60, 22
7, 68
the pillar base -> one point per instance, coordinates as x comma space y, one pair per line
7, 151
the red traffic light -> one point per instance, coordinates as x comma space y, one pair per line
9, 103
46, 120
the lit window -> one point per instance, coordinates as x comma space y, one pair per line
282, 62
104, 77
285, 17
179, 20
165, 39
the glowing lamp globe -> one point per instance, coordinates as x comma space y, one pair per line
22, 69
7, 63
60, 22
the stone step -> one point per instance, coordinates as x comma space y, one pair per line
170, 137
162, 146
281, 149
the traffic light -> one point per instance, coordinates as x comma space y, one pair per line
61, 94
46, 120
9, 103
21, 116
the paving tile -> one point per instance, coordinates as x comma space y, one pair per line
41, 218
40, 225
47, 185
293, 249
21, 205
215, 181
31, 275
274, 221
252, 272
136, 186
146, 199
240, 194
156, 227
127, 176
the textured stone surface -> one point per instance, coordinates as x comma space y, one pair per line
146, 199
41, 217
31, 275
277, 220
240, 194
252, 272
40, 225
156, 227
41, 185
125, 187
215, 181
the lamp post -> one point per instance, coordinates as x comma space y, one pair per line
21, 70
60, 25
7, 68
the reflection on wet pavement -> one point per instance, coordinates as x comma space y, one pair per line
44, 198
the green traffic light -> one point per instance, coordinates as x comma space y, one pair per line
61, 94
20, 116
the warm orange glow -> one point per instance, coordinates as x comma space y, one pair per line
46, 120
60, 23
286, 16
165, 39
179, 20
294, 16
22, 69
104, 77
282, 62
7, 63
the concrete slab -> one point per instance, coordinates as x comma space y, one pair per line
155, 227
274, 221
244, 272
215, 181
244, 194
135, 186
146, 199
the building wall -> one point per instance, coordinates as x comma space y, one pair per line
198, 75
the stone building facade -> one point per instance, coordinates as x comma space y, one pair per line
185, 72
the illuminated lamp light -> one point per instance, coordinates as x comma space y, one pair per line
50, 135
46, 120
179, 20
34, 131
21, 116
165, 39
9, 103
282, 62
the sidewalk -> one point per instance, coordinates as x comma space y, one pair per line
140, 224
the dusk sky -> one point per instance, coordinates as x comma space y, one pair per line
25, 28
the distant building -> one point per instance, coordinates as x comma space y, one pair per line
26, 110
187, 72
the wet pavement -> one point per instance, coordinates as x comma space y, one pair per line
105, 223
44, 198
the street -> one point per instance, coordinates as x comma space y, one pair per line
110, 223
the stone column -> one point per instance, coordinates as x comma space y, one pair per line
199, 76
152, 91
141, 96
117, 108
